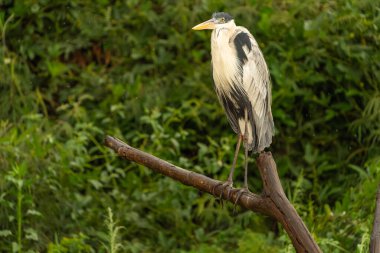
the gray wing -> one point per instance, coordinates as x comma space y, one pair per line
257, 87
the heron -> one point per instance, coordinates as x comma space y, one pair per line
242, 85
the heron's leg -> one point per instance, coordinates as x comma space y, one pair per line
237, 149
246, 150
229, 181
245, 139
246, 167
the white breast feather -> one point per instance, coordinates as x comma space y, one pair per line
224, 61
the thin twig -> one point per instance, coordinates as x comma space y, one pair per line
9, 19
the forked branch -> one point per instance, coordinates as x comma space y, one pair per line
272, 202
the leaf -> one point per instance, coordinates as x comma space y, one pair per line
33, 212
31, 234
5, 233
362, 172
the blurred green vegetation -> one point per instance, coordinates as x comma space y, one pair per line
73, 71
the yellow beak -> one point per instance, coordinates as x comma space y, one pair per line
209, 24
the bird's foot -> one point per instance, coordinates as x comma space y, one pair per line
228, 184
239, 194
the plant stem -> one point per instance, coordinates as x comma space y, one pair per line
19, 209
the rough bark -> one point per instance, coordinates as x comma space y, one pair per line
272, 202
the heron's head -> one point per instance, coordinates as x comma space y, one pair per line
218, 20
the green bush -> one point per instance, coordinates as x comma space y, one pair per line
73, 71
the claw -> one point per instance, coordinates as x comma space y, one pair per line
213, 188
239, 192
229, 192
224, 185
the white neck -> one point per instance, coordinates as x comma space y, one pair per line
224, 60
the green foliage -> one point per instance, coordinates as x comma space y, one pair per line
73, 71
113, 231
70, 245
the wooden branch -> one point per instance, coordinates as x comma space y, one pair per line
272, 202
250, 201
375, 236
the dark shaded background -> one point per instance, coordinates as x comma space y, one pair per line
73, 71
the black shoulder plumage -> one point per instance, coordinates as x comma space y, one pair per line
242, 39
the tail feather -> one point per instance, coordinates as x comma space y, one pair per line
264, 135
